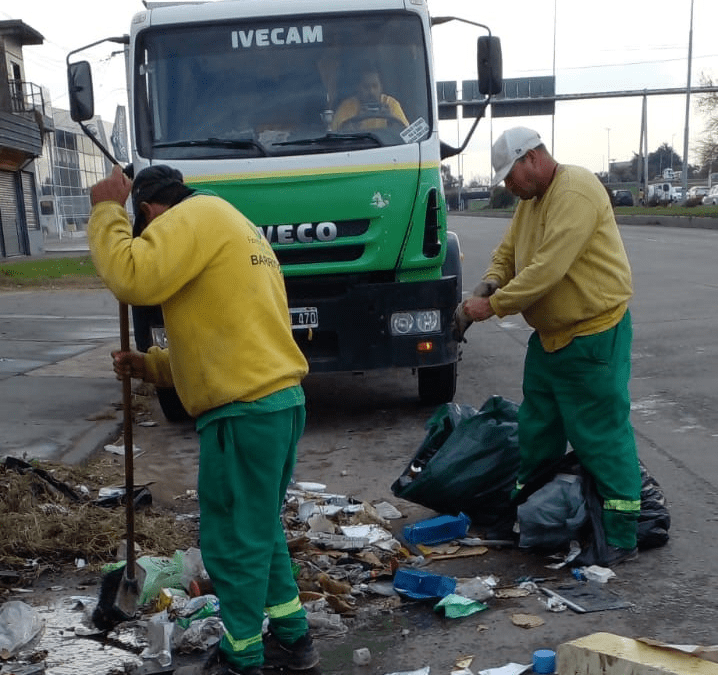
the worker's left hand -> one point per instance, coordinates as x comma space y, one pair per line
115, 188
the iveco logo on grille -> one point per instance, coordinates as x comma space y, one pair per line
304, 233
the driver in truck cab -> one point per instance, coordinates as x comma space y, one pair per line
369, 108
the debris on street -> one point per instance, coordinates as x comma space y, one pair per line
347, 562
527, 620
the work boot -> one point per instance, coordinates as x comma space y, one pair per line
217, 664
615, 556
300, 655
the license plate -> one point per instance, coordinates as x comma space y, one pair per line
304, 317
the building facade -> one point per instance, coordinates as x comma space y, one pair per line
70, 164
47, 163
24, 119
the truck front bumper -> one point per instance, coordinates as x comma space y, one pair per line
354, 324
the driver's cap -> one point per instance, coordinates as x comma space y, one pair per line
510, 146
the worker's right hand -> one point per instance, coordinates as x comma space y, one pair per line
115, 188
128, 363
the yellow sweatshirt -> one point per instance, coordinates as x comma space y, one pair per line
352, 107
222, 295
562, 263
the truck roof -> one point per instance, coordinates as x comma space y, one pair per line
166, 11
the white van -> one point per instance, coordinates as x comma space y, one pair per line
49, 219
660, 193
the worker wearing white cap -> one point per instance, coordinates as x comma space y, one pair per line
562, 265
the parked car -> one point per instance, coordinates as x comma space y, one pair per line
622, 198
698, 191
711, 199
677, 194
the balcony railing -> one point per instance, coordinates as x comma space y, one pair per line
27, 97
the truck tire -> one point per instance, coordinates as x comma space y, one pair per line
437, 384
171, 406
143, 319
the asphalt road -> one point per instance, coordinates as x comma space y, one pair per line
56, 386
362, 430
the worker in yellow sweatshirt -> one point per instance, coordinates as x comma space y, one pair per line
237, 370
563, 266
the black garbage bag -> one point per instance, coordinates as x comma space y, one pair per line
654, 521
468, 462
554, 515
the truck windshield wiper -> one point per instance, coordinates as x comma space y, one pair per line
334, 139
240, 143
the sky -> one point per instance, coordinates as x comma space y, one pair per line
610, 46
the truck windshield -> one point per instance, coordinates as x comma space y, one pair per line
270, 87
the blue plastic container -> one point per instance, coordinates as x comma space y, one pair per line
544, 661
437, 530
421, 585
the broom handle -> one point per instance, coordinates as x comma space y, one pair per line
129, 446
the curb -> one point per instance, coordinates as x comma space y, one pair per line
92, 440
693, 222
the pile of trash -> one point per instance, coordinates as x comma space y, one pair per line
347, 563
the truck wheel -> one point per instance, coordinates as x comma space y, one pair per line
437, 384
171, 405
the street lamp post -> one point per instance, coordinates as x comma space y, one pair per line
684, 176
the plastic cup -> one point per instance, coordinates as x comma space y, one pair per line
544, 661
362, 657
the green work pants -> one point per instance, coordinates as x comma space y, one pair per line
246, 463
579, 394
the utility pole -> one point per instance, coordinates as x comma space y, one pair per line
684, 176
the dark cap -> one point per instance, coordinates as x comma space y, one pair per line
147, 184
151, 180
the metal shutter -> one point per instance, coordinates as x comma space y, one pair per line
8, 215
28, 197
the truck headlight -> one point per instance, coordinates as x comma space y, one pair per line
415, 322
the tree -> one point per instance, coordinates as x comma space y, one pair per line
662, 158
447, 179
707, 147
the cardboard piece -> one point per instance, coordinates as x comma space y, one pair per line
608, 654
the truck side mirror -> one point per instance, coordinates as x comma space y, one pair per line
490, 65
79, 86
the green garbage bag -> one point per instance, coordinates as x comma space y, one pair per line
468, 462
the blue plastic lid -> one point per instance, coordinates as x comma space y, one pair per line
544, 661
421, 585
437, 530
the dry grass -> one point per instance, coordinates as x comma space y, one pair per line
39, 522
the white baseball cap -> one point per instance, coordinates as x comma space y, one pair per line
510, 146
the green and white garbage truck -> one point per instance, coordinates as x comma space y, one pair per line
320, 122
